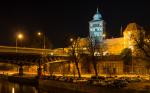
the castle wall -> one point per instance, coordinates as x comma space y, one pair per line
115, 45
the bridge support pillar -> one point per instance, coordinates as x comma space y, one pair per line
20, 70
39, 71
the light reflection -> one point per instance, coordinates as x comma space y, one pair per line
52, 54
13, 90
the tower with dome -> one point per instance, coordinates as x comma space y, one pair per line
97, 28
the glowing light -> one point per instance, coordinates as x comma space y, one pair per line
96, 54
20, 36
13, 90
104, 35
71, 39
39, 33
84, 48
131, 47
52, 54
105, 53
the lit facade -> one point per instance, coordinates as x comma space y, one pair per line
96, 28
132, 32
112, 63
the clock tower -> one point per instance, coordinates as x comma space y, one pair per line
96, 28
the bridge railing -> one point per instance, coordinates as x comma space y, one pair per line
8, 49
24, 50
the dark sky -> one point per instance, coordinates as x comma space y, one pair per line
59, 19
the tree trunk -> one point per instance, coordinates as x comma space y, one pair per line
95, 67
77, 66
39, 71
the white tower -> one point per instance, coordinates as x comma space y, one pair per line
96, 28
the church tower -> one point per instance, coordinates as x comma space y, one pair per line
96, 28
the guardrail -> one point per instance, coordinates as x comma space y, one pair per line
7, 49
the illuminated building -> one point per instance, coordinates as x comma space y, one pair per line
111, 63
132, 32
97, 28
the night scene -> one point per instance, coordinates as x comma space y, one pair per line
86, 46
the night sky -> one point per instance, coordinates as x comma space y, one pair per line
59, 20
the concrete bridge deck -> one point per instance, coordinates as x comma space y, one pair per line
23, 55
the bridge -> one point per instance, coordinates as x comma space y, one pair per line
22, 56
7, 49
30, 56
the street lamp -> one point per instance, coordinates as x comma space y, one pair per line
40, 34
71, 39
43, 46
19, 37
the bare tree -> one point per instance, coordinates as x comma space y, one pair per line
142, 47
95, 51
74, 53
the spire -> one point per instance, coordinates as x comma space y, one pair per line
97, 16
97, 10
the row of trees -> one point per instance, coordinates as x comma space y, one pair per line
141, 50
142, 45
92, 49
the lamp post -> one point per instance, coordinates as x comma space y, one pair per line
41, 34
43, 46
71, 40
19, 37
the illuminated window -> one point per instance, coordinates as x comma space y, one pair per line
95, 25
96, 29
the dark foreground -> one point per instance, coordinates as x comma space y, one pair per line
10, 87
46, 84
16, 84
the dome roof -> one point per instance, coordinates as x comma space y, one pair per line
97, 16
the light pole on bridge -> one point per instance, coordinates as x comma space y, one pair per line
42, 35
19, 37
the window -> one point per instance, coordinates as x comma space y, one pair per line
95, 25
